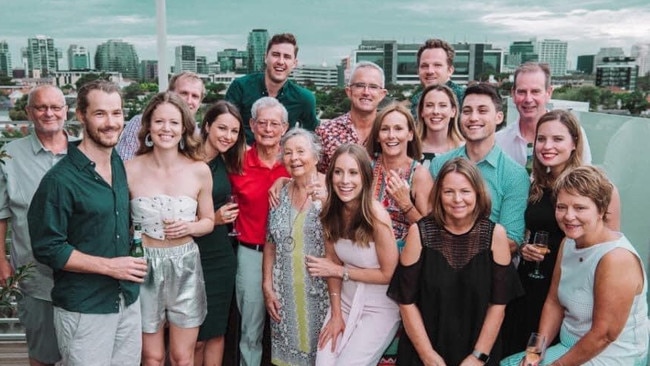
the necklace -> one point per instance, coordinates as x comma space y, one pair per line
289, 243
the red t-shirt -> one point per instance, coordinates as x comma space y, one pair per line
252, 190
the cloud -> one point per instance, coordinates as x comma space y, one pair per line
116, 20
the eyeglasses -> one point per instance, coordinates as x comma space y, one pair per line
363, 86
264, 124
53, 108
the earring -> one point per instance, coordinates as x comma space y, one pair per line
147, 141
182, 144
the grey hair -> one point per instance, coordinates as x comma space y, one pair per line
364, 64
314, 141
35, 90
269, 102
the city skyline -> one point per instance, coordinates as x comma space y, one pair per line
326, 31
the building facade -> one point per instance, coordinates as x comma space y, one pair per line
185, 58
586, 64
257, 40
5, 59
521, 52
148, 71
78, 58
554, 53
641, 52
317, 75
117, 56
42, 57
617, 72
233, 60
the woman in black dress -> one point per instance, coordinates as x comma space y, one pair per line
455, 276
224, 146
558, 148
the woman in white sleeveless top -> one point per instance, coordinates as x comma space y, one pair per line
597, 300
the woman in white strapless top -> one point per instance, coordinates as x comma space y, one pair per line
171, 198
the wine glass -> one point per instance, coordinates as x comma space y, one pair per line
535, 349
232, 199
540, 242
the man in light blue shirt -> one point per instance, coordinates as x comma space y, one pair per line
507, 181
29, 159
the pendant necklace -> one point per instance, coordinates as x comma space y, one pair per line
289, 242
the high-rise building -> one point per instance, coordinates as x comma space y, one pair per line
585, 64
641, 52
42, 57
78, 58
116, 55
607, 52
233, 60
201, 65
148, 70
620, 72
185, 57
257, 40
5, 59
520, 52
473, 61
553, 52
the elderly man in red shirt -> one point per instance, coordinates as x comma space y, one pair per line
261, 168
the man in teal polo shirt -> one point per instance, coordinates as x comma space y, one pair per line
280, 60
508, 181
79, 226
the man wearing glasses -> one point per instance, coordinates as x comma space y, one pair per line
30, 158
280, 60
365, 91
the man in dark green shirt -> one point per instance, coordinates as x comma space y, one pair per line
274, 82
435, 66
79, 226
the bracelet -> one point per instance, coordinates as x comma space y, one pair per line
408, 209
334, 294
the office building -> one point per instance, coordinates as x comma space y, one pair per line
42, 57
233, 60
78, 58
118, 56
617, 72
607, 52
5, 59
473, 61
148, 71
185, 59
554, 53
317, 75
257, 40
641, 52
521, 52
586, 64
201, 65
71, 77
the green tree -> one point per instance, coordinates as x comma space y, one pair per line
6, 80
90, 77
17, 113
635, 102
132, 91
214, 92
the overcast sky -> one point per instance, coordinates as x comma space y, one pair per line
327, 30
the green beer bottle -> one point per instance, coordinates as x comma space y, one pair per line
136, 243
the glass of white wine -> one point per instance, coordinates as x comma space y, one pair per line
535, 349
540, 242
233, 200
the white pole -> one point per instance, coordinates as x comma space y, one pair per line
161, 42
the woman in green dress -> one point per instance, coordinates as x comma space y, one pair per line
224, 145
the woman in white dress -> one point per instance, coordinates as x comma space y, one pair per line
360, 258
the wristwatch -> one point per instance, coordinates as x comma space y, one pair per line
346, 274
481, 356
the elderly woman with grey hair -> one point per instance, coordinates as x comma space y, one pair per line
296, 302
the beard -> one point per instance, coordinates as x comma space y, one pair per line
100, 138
